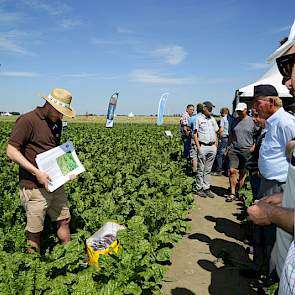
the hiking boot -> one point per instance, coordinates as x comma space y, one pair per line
201, 193
209, 193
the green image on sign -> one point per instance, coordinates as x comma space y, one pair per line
66, 163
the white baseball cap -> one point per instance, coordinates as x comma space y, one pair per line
241, 106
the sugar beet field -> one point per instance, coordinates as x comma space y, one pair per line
134, 176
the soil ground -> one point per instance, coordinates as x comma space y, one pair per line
208, 258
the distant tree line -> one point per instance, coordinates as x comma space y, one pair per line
11, 113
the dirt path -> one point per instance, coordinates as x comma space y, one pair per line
208, 258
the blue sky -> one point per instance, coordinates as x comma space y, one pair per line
195, 50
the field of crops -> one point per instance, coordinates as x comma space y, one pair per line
135, 176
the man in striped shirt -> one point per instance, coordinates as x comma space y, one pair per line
185, 130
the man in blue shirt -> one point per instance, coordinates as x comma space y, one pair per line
273, 162
268, 209
223, 134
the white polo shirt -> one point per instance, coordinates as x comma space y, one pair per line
206, 128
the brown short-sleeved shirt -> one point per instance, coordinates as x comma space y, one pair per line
33, 134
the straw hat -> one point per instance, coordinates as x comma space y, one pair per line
61, 99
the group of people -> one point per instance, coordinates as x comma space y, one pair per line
228, 145
262, 146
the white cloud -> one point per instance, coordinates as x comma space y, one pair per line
219, 80
88, 76
123, 30
9, 18
256, 66
172, 54
281, 29
10, 45
19, 74
104, 42
149, 77
54, 8
70, 23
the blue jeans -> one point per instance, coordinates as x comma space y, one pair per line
255, 185
186, 147
220, 153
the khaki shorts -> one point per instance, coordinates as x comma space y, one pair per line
238, 159
38, 203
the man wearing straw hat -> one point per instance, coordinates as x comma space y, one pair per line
34, 133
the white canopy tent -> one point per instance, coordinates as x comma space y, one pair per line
272, 77
131, 115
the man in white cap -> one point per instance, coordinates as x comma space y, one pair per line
241, 145
34, 133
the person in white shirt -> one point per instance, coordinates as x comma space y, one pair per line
205, 138
280, 128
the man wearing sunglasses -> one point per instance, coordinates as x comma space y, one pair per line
278, 208
285, 65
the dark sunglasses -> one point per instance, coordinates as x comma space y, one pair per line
209, 109
285, 64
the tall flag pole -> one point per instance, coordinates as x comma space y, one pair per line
111, 110
161, 108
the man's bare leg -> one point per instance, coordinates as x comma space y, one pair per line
233, 180
242, 177
63, 230
34, 240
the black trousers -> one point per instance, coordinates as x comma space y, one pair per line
264, 237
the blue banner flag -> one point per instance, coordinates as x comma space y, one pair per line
111, 110
161, 108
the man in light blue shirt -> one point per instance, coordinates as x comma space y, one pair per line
280, 128
223, 133
270, 206
272, 163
